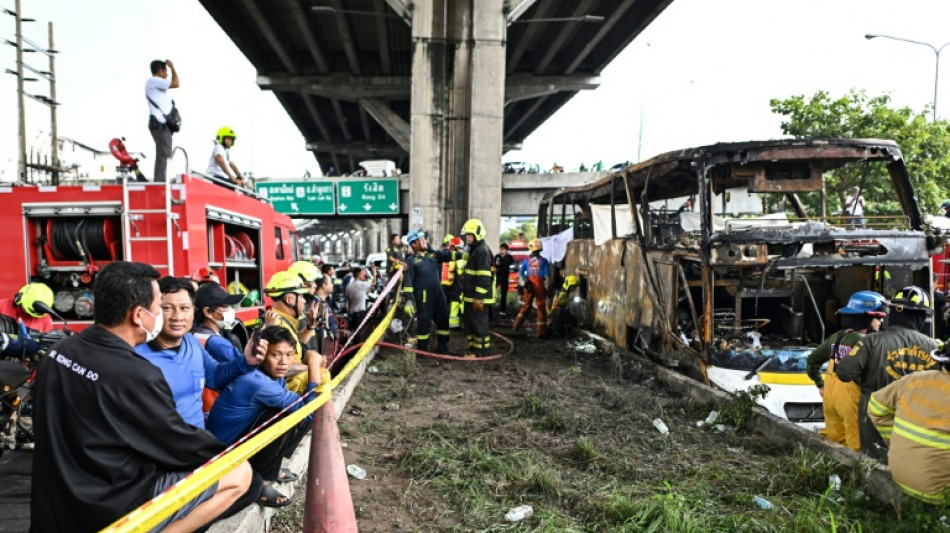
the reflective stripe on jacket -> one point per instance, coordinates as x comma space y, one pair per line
477, 277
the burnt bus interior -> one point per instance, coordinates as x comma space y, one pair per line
737, 254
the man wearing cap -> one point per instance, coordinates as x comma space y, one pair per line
881, 358
215, 315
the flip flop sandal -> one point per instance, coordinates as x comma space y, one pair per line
286, 476
270, 497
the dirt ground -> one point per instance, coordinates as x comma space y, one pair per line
566, 428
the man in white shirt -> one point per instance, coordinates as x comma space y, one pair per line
220, 165
854, 209
159, 105
356, 293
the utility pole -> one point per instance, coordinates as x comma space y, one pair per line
21, 106
54, 140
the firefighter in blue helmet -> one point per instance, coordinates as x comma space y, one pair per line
423, 290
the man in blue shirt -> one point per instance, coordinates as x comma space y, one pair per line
215, 315
254, 398
186, 365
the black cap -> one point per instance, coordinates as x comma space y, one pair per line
213, 295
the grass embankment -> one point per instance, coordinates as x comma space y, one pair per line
578, 444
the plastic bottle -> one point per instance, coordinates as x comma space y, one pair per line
834, 482
762, 502
713, 415
519, 513
356, 471
660, 426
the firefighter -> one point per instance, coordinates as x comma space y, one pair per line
562, 322
535, 274
877, 360
289, 295
21, 306
423, 291
395, 254
863, 314
310, 275
477, 288
913, 416
451, 285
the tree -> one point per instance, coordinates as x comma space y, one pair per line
528, 229
925, 145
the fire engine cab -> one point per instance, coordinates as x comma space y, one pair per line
62, 235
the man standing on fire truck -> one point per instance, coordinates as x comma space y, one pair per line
160, 104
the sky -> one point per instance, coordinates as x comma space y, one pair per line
702, 72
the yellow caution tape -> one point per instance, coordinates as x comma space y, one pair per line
153, 512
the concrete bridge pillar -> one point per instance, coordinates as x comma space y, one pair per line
458, 96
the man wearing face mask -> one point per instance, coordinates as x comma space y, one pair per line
108, 436
215, 316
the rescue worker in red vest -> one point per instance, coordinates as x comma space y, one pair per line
562, 322
913, 416
23, 316
451, 285
864, 314
477, 288
535, 275
877, 360
423, 291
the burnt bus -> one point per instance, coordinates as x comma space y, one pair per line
730, 260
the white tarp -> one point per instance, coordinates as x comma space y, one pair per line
690, 221
601, 219
555, 246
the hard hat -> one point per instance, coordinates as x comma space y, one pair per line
456, 242
226, 131
284, 282
307, 271
32, 293
865, 303
474, 227
414, 236
535, 245
911, 299
448, 238
236, 287
204, 275
569, 282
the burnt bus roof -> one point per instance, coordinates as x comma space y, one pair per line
674, 174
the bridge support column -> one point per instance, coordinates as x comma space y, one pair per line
458, 92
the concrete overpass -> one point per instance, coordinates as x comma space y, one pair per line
440, 86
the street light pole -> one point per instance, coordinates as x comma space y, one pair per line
936, 52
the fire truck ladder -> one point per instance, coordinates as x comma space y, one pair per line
139, 208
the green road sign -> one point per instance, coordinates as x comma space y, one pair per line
368, 197
299, 197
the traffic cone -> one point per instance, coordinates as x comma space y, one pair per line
329, 505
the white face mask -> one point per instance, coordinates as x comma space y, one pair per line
228, 319
156, 329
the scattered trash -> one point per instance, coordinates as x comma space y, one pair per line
834, 482
373, 369
396, 326
585, 347
356, 471
409, 345
392, 406
721, 428
711, 418
660, 426
762, 502
519, 513
356, 411
735, 450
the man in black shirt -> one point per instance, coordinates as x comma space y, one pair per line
503, 262
108, 437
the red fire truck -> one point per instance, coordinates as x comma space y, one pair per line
62, 235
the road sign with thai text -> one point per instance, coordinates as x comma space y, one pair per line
368, 197
299, 197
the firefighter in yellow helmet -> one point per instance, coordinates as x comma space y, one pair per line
220, 165
562, 322
535, 275
22, 306
877, 360
290, 296
477, 288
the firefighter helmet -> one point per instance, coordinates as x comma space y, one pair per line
456, 242
414, 236
205, 275
865, 303
32, 293
474, 227
911, 299
236, 287
535, 245
448, 238
307, 271
226, 131
284, 282
569, 282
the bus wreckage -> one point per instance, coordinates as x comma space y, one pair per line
730, 261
